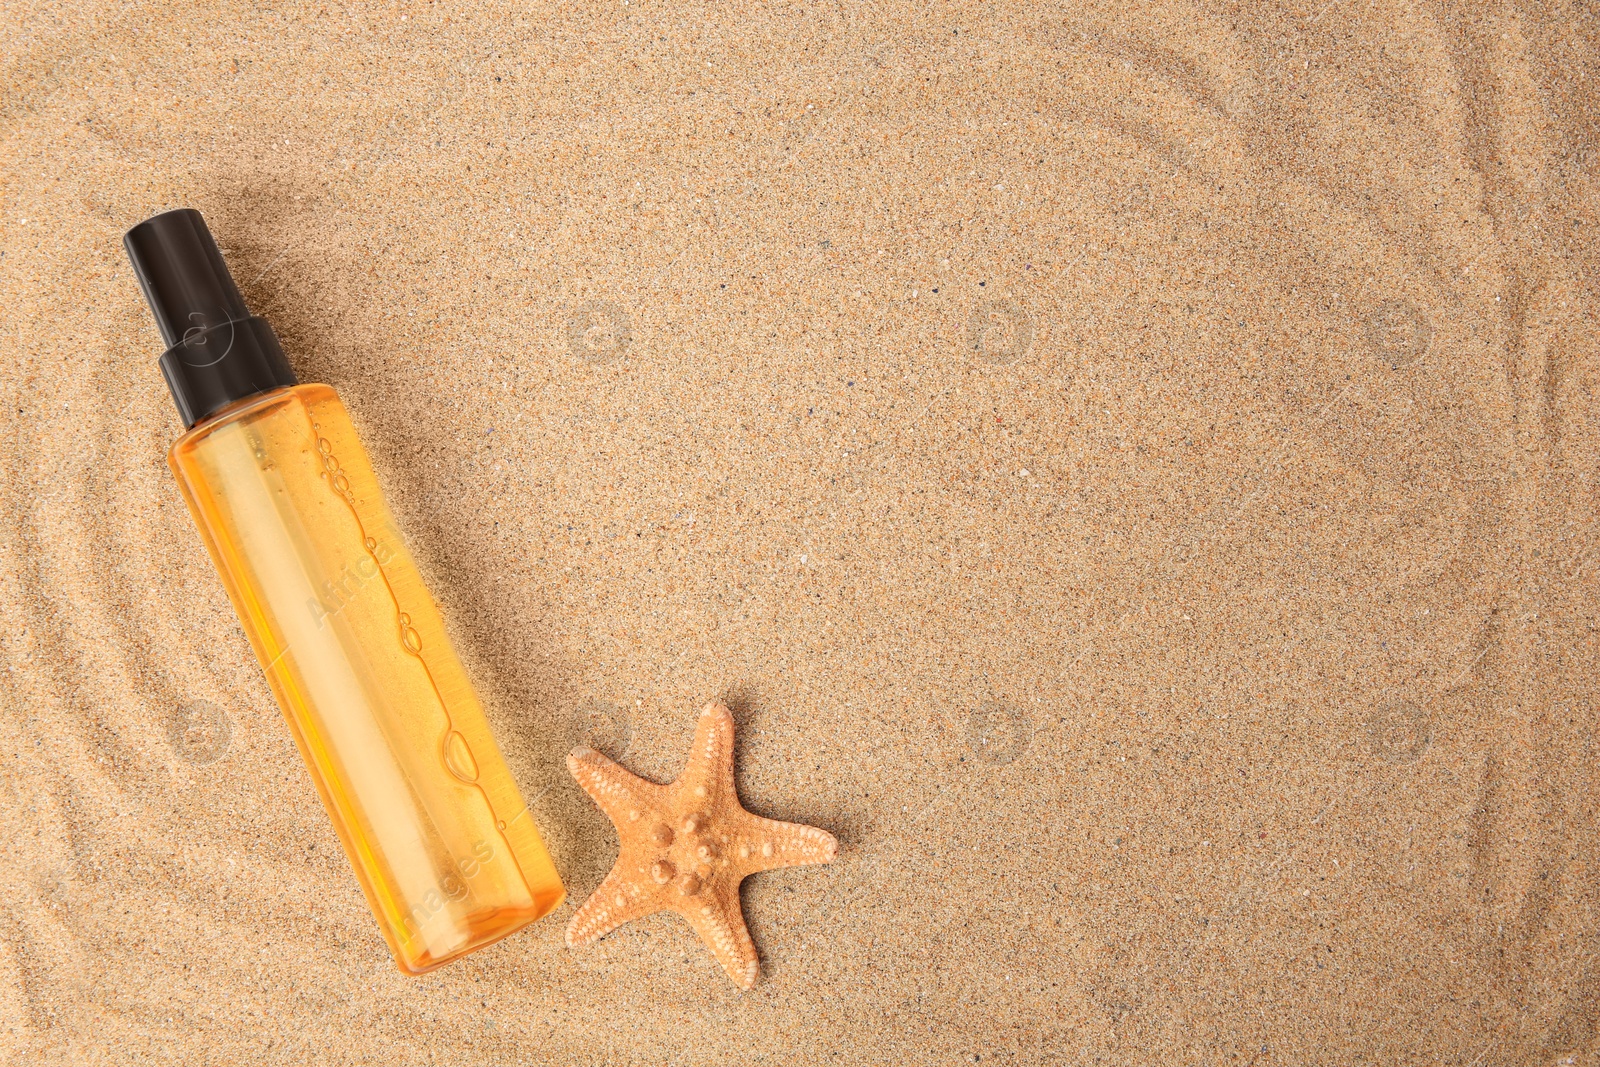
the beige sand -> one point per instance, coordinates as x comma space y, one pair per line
1132, 470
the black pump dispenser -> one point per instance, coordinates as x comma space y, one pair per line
217, 352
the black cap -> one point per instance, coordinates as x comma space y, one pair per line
217, 352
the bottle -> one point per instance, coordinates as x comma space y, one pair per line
352, 644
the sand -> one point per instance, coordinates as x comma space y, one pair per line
1131, 468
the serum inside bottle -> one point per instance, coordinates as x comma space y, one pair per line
332, 602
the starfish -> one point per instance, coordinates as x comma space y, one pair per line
685, 847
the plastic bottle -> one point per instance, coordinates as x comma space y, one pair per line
351, 642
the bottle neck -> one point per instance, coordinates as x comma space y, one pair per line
214, 368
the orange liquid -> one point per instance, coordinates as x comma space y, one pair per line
356, 653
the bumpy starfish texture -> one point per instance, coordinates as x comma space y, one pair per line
687, 846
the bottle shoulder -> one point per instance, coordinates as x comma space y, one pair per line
253, 409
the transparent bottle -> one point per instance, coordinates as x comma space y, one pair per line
335, 609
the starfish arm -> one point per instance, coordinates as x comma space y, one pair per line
619, 899
622, 795
708, 776
718, 919
771, 844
